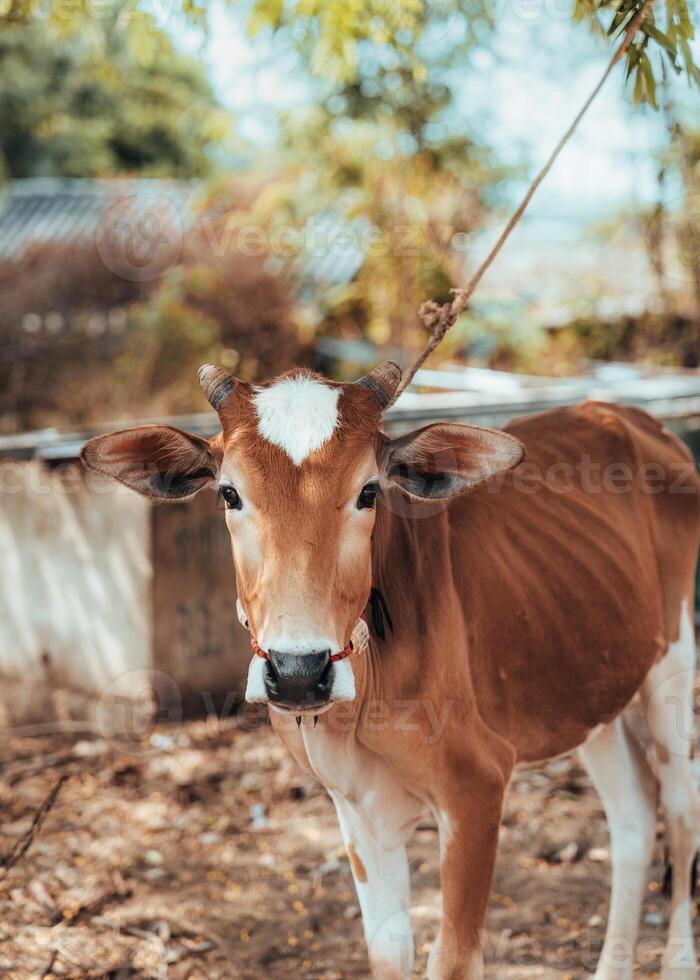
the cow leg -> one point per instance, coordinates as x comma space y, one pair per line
380, 869
468, 825
628, 790
668, 696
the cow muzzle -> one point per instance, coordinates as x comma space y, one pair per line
299, 681
305, 682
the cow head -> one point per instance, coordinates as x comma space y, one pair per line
300, 464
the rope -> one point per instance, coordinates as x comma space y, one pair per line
436, 317
334, 658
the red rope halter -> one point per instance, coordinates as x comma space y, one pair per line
345, 652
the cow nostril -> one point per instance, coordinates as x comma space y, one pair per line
271, 677
324, 681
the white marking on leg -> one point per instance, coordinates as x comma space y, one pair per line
628, 791
298, 414
383, 888
378, 816
668, 696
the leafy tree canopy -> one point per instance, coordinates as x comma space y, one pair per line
335, 34
334, 37
102, 103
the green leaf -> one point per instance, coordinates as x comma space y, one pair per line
625, 9
638, 91
649, 81
660, 38
690, 65
635, 54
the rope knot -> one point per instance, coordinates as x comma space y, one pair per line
435, 316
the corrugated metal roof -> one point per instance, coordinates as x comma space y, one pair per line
69, 210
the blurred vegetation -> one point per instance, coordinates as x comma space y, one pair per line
401, 207
100, 104
220, 303
398, 171
668, 338
672, 227
366, 206
498, 339
333, 34
97, 346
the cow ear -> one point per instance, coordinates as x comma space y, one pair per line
445, 459
155, 460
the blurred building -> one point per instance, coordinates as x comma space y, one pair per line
69, 211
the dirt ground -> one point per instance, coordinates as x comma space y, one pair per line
203, 852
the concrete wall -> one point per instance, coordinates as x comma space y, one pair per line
199, 648
75, 591
106, 599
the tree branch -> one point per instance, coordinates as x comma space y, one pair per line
8, 862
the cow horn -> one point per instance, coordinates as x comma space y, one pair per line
216, 384
382, 382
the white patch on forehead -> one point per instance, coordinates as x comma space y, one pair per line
297, 414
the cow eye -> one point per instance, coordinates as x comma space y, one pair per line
231, 497
368, 495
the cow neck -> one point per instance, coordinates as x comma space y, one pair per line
411, 563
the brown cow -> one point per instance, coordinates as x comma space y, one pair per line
529, 604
